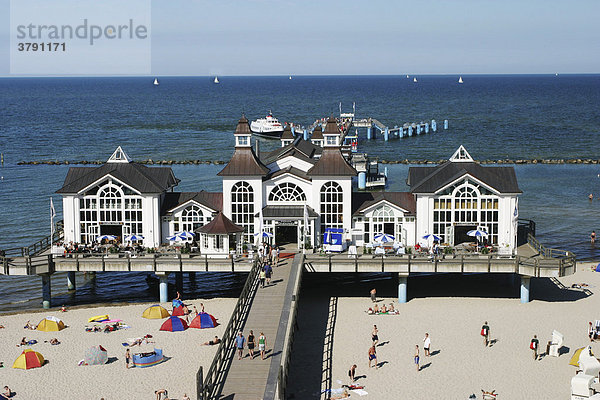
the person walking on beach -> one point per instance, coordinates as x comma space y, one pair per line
417, 357
239, 343
374, 295
426, 344
593, 237
352, 374
591, 331
251, 344
262, 345
535, 343
263, 276
372, 356
127, 358
374, 335
485, 332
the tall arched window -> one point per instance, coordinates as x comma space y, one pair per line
465, 204
191, 218
111, 202
242, 208
287, 192
332, 206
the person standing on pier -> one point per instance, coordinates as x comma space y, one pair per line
262, 345
239, 343
274, 256
263, 276
251, 344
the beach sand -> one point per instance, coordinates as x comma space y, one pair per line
61, 378
460, 365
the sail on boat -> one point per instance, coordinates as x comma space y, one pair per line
415, 80
216, 79
407, 76
155, 82
460, 80
290, 77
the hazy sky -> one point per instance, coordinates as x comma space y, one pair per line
267, 37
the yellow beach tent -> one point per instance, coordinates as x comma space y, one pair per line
575, 359
29, 359
155, 312
51, 324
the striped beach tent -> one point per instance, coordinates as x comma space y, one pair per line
51, 324
174, 324
203, 320
144, 360
29, 359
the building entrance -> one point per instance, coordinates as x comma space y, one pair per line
286, 234
460, 234
115, 230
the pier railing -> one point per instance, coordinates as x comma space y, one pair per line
209, 389
38, 247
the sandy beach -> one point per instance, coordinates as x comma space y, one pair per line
460, 365
62, 378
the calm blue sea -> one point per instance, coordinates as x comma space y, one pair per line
183, 118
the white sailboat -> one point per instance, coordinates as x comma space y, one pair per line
415, 80
290, 77
216, 79
155, 82
407, 76
460, 80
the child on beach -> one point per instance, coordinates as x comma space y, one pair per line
534, 346
372, 356
127, 358
485, 332
417, 357
591, 331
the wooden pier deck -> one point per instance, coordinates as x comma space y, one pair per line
250, 379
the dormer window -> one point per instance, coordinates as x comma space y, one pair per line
243, 141
331, 140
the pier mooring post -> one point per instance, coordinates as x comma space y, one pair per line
46, 291
386, 134
402, 285
433, 125
418, 129
410, 130
426, 127
396, 131
163, 292
362, 180
306, 134
369, 133
445, 124
71, 280
525, 283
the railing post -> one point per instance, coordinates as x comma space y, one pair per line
199, 384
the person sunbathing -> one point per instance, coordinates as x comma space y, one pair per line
216, 340
54, 341
23, 342
383, 309
375, 309
29, 326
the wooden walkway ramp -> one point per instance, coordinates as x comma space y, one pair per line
248, 379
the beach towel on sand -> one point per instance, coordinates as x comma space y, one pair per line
360, 392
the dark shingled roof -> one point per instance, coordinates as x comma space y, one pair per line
212, 200
299, 148
287, 211
331, 127
243, 128
220, 225
317, 133
244, 163
332, 163
289, 170
432, 179
140, 177
287, 133
363, 200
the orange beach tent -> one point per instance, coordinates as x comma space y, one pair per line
155, 312
51, 324
29, 359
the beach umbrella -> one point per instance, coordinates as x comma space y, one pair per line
327, 237
174, 324
134, 238
186, 235
433, 237
51, 324
96, 355
477, 233
265, 235
575, 359
106, 237
29, 359
174, 238
384, 238
203, 320
155, 312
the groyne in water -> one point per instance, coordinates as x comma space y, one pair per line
405, 161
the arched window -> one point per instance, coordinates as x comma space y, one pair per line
465, 204
110, 199
191, 218
332, 206
242, 208
287, 192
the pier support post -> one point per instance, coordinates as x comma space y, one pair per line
410, 130
71, 280
525, 282
362, 180
46, 291
306, 134
163, 287
418, 129
386, 134
401, 133
445, 124
433, 125
369, 133
396, 131
402, 285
